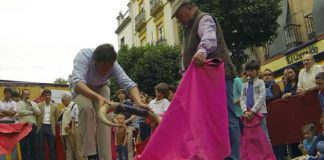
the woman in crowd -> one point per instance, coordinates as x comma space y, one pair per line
291, 86
272, 88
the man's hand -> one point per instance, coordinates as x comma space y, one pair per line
199, 58
103, 100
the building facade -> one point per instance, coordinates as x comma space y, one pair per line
147, 22
301, 31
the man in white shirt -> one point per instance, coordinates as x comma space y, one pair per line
306, 77
70, 129
8, 110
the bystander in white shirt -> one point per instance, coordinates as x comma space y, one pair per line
8, 105
306, 78
159, 106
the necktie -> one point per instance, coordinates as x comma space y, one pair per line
250, 95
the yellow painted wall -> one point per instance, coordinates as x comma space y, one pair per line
35, 90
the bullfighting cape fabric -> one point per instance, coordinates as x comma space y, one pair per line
195, 125
11, 134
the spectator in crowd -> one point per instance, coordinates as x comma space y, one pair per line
306, 78
46, 123
290, 88
130, 122
27, 112
92, 69
309, 131
237, 90
172, 90
254, 94
15, 96
8, 110
160, 104
320, 86
204, 40
144, 127
121, 138
253, 100
312, 151
70, 129
272, 88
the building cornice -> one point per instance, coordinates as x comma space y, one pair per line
123, 25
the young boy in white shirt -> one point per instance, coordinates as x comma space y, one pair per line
161, 103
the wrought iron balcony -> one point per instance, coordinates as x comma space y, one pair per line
310, 26
292, 34
155, 7
140, 20
161, 41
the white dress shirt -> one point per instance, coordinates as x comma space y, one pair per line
47, 116
306, 78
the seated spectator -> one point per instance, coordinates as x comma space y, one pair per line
272, 88
309, 131
306, 79
320, 137
292, 80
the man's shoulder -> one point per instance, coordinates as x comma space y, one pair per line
85, 53
318, 68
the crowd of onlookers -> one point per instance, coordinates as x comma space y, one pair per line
255, 88
252, 91
44, 116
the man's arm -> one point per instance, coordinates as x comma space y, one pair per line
299, 84
126, 83
21, 111
207, 35
135, 95
208, 40
2, 114
36, 109
84, 90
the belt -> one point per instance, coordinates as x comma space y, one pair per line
7, 121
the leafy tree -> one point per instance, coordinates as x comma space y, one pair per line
150, 65
61, 81
245, 23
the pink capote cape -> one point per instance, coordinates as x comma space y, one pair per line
11, 134
254, 144
195, 126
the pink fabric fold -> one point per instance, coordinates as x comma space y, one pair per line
254, 143
195, 127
